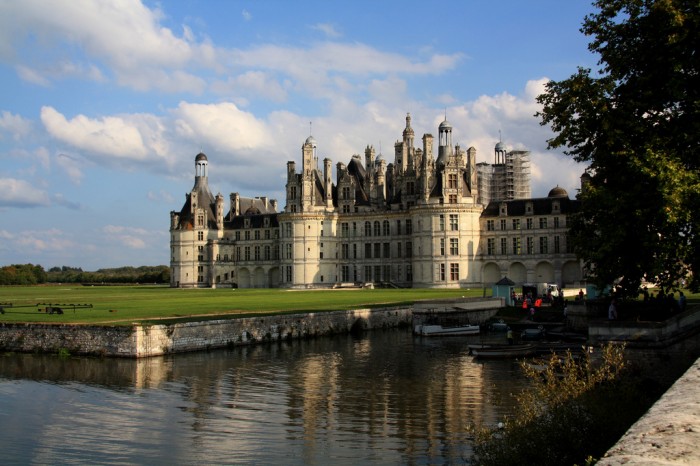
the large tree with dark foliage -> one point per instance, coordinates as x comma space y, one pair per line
636, 122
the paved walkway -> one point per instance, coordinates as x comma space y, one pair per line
669, 433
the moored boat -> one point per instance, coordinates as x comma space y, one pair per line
438, 330
503, 351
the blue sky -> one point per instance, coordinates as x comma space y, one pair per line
106, 103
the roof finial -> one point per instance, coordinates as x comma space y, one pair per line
500, 138
310, 132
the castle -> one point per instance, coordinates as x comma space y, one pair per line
421, 221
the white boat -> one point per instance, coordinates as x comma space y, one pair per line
438, 330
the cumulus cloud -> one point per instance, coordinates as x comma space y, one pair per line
133, 238
16, 126
113, 140
125, 36
222, 125
20, 193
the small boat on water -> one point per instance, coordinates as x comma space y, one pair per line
437, 330
503, 351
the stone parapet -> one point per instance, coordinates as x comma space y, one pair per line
669, 433
136, 341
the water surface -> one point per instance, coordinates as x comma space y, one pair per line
387, 397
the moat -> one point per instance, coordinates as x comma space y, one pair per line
386, 397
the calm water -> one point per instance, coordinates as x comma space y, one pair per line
384, 398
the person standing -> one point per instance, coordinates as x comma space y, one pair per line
612, 310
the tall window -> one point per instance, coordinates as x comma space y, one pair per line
491, 246
453, 198
267, 253
257, 253
368, 250
543, 245
442, 272
556, 222
344, 251
452, 181
346, 193
516, 246
528, 224
503, 224
377, 229
442, 246
454, 246
557, 245
368, 229
386, 229
409, 227
200, 236
246, 253
387, 250
504, 245
292, 192
516, 224
543, 222
454, 272
454, 222
398, 227
441, 222
490, 225
409, 249
344, 230
530, 245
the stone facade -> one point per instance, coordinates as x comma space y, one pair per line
415, 222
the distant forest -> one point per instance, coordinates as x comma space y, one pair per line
29, 274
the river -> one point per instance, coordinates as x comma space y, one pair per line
386, 397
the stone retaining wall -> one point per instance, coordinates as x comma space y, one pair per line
153, 340
669, 433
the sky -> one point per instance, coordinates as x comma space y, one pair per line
106, 103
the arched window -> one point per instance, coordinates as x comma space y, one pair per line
368, 229
385, 227
377, 228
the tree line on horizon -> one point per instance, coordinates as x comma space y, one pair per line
31, 274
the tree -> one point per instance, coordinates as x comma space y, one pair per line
636, 122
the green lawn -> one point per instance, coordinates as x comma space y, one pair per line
122, 305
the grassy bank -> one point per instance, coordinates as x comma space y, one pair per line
122, 305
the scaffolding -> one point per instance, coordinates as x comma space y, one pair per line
504, 181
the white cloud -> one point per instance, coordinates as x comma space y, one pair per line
31, 75
20, 193
252, 83
161, 196
246, 15
130, 237
223, 125
71, 166
327, 29
16, 126
125, 138
124, 35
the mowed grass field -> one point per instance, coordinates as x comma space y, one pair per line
123, 305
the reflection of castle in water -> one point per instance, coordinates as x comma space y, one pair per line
417, 395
